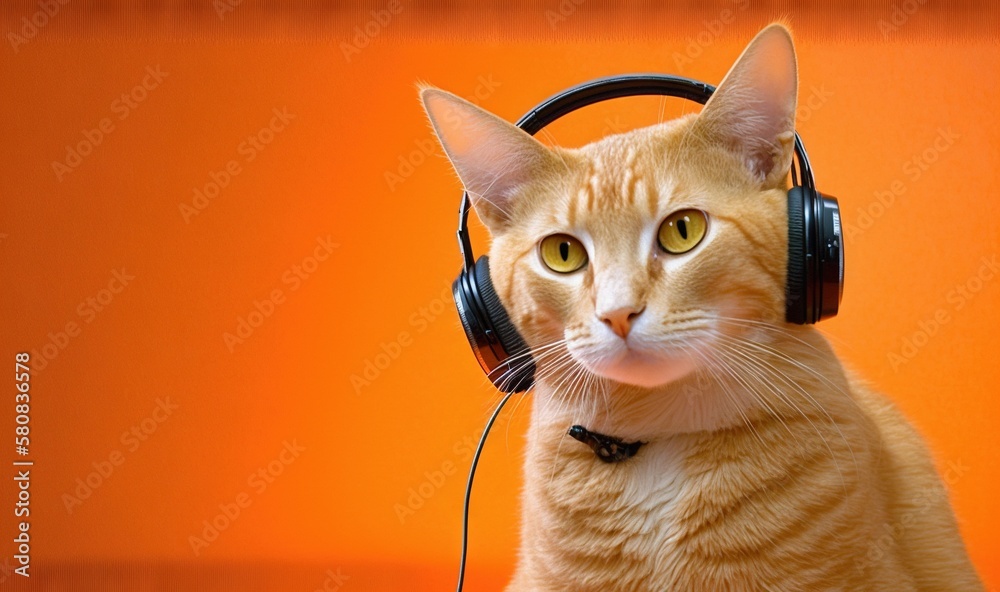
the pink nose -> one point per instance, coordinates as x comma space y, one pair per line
620, 319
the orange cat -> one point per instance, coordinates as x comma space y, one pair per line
647, 272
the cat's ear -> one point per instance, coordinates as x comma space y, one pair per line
492, 157
753, 110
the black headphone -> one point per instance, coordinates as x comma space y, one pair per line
815, 277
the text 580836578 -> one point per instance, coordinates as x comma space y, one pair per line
22, 433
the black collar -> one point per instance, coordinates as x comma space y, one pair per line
607, 448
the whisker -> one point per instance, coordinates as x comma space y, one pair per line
782, 356
539, 358
709, 365
731, 367
763, 365
532, 352
763, 325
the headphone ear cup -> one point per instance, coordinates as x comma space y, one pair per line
796, 282
815, 273
516, 375
467, 314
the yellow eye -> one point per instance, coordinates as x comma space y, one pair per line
682, 231
563, 253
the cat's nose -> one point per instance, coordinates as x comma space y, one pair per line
620, 319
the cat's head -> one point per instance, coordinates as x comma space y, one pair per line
646, 250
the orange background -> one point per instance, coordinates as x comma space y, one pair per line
879, 100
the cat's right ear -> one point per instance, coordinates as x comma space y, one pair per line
753, 110
492, 157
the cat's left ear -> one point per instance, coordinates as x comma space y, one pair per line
753, 110
493, 158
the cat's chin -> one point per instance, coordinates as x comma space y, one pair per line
642, 370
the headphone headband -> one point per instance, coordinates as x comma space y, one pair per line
605, 89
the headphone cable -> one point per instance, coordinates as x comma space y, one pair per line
468, 490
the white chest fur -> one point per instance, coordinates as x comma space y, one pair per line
596, 525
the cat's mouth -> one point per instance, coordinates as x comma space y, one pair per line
633, 365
